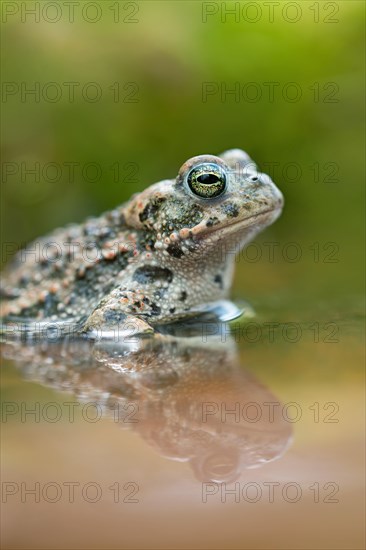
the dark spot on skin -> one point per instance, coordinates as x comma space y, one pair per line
50, 305
24, 281
172, 310
112, 316
183, 296
155, 309
192, 247
58, 266
212, 221
146, 300
146, 241
80, 273
116, 219
175, 250
218, 280
247, 206
149, 274
106, 233
68, 255
231, 210
83, 286
9, 294
151, 209
90, 230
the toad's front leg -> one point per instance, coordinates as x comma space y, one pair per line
122, 313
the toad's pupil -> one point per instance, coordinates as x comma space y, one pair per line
208, 179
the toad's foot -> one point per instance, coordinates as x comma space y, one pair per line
110, 323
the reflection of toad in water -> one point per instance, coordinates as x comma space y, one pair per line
191, 401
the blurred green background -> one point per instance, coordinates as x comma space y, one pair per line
151, 62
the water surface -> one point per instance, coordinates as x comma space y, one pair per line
203, 439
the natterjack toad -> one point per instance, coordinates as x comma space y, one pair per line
165, 254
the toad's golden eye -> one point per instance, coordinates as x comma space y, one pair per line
207, 180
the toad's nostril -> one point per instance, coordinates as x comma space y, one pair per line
280, 200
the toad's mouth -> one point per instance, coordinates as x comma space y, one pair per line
260, 220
